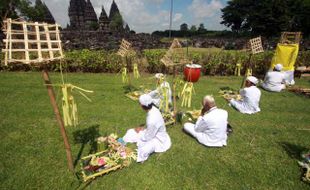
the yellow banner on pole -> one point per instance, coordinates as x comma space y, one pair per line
285, 54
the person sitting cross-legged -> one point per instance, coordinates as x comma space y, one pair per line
153, 138
274, 80
249, 103
211, 127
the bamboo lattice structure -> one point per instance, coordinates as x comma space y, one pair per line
28, 42
124, 48
290, 37
175, 50
256, 45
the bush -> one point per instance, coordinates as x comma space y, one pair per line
213, 61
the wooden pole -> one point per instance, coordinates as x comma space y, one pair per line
174, 93
60, 122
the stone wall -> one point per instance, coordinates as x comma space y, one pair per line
107, 41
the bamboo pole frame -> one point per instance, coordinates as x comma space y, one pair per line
256, 47
13, 41
18, 43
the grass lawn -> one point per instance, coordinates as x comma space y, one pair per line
261, 152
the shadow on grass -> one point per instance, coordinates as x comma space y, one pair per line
86, 136
129, 88
294, 151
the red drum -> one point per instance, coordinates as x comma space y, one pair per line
192, 72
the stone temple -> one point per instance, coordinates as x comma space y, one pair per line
83, 17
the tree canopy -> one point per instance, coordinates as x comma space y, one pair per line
267, 17
22, 8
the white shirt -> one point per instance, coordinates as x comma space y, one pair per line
157, 94
250, 100
274, 81
213, 126
156, 131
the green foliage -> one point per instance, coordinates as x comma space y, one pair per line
184, 27
267, 17
214, 61
117, 22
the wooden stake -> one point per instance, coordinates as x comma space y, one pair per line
60, 122
174, 94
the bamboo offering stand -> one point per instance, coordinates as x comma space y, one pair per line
124, 50
175, 50
256, 47
290, 37
36, 43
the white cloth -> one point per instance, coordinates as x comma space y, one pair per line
274, 81
157, 94
210, 129
289, 77
153, 139
250, 100
252, 79
145, 100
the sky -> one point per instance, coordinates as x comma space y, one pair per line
150, 15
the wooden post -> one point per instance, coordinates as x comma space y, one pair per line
174, 93
60, 122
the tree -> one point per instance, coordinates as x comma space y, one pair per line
116, 23
184, 27
193, 28
201, 28
267, 17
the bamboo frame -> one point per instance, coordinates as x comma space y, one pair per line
175, 48
256, 47
124, 48
15, 38
38, 34
290, 37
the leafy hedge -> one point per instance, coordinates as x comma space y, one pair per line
214, 62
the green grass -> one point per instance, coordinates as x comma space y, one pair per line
261, 153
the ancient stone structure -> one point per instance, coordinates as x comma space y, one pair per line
90, 16
83, 17
104, 22
76, 14
45, 13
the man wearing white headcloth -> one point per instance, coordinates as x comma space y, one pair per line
249, 103
211, 127
163, 88
153, 137
274, 80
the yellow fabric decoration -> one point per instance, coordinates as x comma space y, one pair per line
135, 71
164, 103
186, 94
69, 106
237, 69
124, 75
285, 54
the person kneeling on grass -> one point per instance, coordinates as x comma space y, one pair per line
153, 138
274, 80
250, 97
211, 127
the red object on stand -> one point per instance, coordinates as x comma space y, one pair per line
192, 72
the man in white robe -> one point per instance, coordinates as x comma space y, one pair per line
250, 97
157, 94
153, 138
211, 127
274, 80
